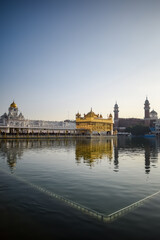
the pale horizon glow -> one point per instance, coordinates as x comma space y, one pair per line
61, 57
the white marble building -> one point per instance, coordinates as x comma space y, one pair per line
16, 119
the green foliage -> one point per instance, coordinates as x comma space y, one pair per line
138, 130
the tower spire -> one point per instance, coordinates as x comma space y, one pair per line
147, 112
116, 117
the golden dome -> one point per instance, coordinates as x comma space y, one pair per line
91, 114
13, 105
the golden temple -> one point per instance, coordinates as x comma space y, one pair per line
94, 123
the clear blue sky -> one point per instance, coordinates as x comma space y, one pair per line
60, 57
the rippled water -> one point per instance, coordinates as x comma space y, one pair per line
101, 175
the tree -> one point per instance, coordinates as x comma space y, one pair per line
138, 130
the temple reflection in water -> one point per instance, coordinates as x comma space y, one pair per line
93, 150
87, 151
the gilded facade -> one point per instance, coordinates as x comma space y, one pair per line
94, 123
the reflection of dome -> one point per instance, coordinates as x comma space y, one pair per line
13, 105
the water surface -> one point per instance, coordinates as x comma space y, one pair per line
100, 174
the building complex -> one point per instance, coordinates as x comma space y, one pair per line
150, 119
89, 124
